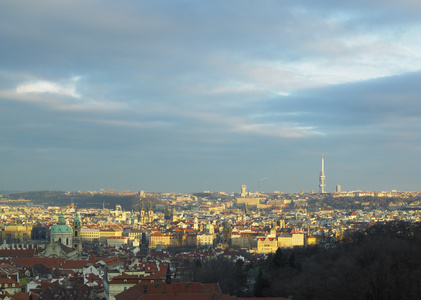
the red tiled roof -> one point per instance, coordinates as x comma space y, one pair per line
49, 263
18, 252
21, 296
156, 289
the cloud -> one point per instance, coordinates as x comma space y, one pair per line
40, 87
210, 84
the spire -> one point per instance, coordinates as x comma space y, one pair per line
76, 219
61, 220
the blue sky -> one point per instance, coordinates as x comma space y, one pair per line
190, 95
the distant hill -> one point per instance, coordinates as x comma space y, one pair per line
82, 200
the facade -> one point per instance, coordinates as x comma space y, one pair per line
117, 241
99, 235
285, 241
298, 239
134, 234
146, 215
9, 285
12, 233
292, 240
90, 234
203, 239
158, 238
247, 201
104, 234
267, 245
243, 240
314, 240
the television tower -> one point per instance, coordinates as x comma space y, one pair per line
322, 184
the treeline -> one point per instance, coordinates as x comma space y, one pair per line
380, 263
60, 198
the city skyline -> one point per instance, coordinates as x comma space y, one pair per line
186, 97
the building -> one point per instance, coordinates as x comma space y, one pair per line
9, 285
117, 241
158, 238
16, 233
243, 240
146, 215
61, 232
267, 244
65, 241
295, 239
314, 240
203, 239
285, 240
243, 191
105, 233
90, 234
77, 238
250, 202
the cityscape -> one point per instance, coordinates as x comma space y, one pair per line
210, 150
111, 244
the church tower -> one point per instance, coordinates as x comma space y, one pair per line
150, 214
77, 240
142, 214
196, 224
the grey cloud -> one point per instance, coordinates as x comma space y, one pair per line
177, 94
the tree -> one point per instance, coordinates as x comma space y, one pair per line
291, 261
278, 259
40, 270
56, 273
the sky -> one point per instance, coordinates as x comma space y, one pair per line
187, 96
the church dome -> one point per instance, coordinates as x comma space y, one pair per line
61, 226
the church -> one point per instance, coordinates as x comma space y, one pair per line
65, 241
146, 215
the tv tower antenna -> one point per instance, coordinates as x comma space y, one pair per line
322, 184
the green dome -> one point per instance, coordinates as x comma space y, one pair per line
61, 229
61, 226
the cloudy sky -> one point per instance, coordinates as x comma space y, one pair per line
194, 95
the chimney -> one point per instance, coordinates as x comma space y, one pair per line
145, 289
